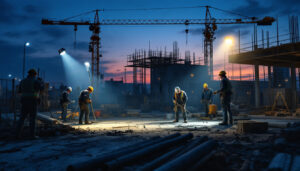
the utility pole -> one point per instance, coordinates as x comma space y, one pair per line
239, 53
24, 61
26, 44
277, 32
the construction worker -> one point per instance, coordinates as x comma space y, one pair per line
30, 89
225, 97
64, 102
179, 100
84, 101
206, 98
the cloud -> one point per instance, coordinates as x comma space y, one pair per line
13, 14
55, 32
254, 8
11, 34
232, 29
31, 9
6, 11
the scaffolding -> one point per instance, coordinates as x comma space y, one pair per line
141, 60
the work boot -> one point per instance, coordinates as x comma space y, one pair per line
175, 121
88, 122
223, 123
184, 121
80, 123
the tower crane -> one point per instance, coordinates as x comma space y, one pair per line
209, 22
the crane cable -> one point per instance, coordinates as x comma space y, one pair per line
231, 12
144, 9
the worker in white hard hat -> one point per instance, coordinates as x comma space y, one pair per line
84, 101
206, 97
179, 99
64, 102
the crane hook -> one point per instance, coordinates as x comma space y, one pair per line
186, 33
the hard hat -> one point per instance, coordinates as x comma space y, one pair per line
90, 88
205, 85
69, 88
177, 88
222, 73
32, 72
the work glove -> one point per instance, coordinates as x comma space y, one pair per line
215, 92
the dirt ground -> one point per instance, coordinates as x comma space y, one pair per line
58, 147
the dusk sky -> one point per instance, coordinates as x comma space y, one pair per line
20, 21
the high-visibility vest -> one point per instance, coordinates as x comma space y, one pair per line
28, 88
181, 96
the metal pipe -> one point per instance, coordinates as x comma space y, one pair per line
202, 161
281, 161
193, 144
154, 149
187, 160
162, 159
99, 161
178, 151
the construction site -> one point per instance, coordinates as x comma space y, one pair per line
146, 87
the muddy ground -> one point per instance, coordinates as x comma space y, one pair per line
60, 146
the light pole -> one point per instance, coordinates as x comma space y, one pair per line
25, 45
229, 43
87, 66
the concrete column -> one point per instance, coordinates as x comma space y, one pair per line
269, 77
299, 76
294, 89
257, 88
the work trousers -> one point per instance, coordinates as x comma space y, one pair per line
64, 111
205, 104
183, 111
28, 108
227, 114
84, 110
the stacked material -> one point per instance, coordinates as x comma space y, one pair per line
168, 153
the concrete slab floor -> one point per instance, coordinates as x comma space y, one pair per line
143, 124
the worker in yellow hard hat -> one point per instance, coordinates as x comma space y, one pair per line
225, 97
84, 101
206, 97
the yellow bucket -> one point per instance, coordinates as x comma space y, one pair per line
212, 109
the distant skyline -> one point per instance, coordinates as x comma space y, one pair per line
20, 21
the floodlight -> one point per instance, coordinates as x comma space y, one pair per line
87, 64
228, 41
62, 51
